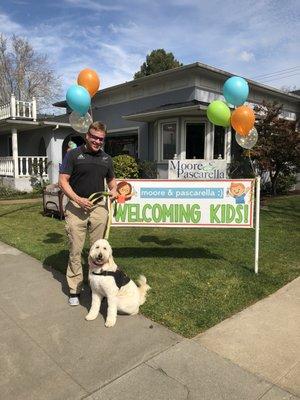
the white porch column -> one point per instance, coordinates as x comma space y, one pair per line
13, 106
54, 154
209, 141
14, 136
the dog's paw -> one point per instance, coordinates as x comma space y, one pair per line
110, 323
90, 317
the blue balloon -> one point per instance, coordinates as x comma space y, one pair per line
79, 99
236, 90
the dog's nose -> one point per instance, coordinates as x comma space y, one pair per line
99, 257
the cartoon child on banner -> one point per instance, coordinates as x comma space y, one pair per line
125, 191
238, 191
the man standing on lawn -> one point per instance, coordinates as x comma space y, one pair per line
83, 173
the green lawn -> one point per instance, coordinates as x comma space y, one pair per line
198, 276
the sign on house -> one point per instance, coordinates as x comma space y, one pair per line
185, 203
195, 169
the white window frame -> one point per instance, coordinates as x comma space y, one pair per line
227, 144
160, 137
193, 120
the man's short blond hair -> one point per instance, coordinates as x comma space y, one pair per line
98, 126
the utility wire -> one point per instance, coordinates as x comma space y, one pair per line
280, 75
276, 78
278, 72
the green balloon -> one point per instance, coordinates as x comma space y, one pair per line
219, 113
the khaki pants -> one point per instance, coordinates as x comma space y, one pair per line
78, 223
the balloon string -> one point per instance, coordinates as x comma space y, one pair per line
91, 113
252, 165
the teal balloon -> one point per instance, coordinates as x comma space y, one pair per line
236, 90
79, 99
219, 113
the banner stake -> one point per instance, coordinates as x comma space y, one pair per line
257, 212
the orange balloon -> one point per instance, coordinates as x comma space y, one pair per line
242, 120
89, 79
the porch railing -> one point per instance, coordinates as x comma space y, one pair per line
30, 165
18, 109
27, 166
5, 111
6, 166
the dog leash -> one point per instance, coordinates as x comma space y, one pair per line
95, 198
111, 209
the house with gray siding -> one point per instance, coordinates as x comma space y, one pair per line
156, 118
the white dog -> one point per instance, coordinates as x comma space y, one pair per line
107, 280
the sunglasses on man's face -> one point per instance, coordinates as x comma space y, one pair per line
96, 138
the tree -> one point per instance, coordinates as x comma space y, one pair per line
288, 88
278, 147
157, 61
25, 73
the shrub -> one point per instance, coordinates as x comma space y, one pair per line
8, 193
147, 169
240, 169
125, 167
284, 183
38, 184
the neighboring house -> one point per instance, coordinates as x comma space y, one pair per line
31, 146
156, 118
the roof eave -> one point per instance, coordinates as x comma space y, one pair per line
170, 72
169, 113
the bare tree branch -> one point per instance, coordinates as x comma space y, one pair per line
25, 73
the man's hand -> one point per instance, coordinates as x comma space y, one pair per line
113, 194
84, 203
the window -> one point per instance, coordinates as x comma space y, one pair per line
42, 148
168, 140
195, 141
10, 152
219, 143
121, 143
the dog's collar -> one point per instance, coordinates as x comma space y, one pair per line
119, 276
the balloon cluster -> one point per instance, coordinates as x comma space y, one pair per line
235, 91
79, 99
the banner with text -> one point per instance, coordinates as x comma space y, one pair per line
191, 204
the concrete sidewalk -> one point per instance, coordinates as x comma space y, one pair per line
48, 351
264, 338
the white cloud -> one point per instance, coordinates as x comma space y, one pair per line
246, 56
238, 54
93, 5
8, 26
116, 64
114, 38
128, 29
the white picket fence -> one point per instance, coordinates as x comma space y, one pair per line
27, 166
19, 109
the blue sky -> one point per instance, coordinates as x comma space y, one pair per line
246, 38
